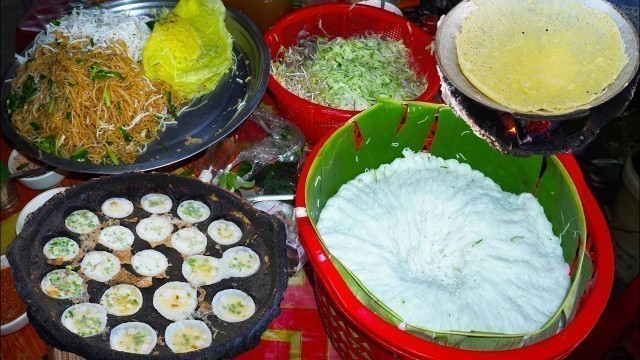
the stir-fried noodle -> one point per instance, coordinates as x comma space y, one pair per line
88, 103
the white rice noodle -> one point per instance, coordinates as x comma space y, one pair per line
101, 26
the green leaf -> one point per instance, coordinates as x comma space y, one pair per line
55, 22
232, 182
35, 126
455, 140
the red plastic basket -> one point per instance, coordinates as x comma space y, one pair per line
344, 20
358, 333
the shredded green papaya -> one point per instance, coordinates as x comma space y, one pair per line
349, 74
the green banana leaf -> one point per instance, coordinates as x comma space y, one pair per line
378, 136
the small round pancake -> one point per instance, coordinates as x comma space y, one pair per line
122, 300
133, 337
100, 265
116, 237
82, 221
241, 261
175, 300
193, 211
154, 229
224, 232
156, 203
85, 319
189, 241
200, 270
117, 208
149, 262
62, 284
233, 305
187, 335
61, 248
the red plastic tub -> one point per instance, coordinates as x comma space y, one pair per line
344, 20
357, 333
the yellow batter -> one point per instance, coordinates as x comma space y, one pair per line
542, 55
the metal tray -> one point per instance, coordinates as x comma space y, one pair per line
209, 123
447, 57
263, 233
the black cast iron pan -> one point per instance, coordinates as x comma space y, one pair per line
262, 233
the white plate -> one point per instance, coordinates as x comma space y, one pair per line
33, 205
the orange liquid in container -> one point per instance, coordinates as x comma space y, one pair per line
263, 13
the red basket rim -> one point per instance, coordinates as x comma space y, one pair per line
277, 88
401, 342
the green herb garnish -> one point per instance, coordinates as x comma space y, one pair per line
125, 134
80, 154
96, 72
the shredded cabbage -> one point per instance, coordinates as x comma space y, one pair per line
348, 74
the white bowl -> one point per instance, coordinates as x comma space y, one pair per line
40, 182
19, 322
33, 205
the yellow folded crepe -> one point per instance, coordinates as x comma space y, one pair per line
539, 56
190, 49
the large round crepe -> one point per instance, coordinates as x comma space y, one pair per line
543, 55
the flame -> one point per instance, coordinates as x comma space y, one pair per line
512, 129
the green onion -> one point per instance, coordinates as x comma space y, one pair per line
172, 108
125, 134
68, 115
16, 101
51, 103
96, 72
113, 157
35, 126
79, 154
55, 22
105, 96
47, 144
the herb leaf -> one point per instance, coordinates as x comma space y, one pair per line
125, 134
80, 154
95, 72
